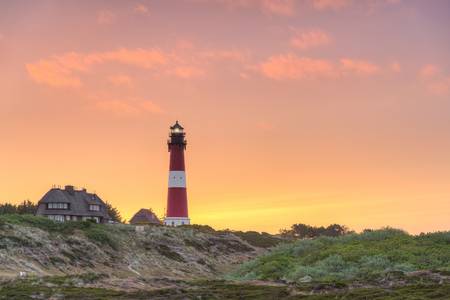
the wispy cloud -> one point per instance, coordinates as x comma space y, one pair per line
440, 86
141, 9
53, 74
268, 7
356, 66
395, 67
434, 80
278, 7
330, 4
66, 70
368, 6
121, 80
291, 66
106, 17
310, 39
127, 106
63, 70
428, 71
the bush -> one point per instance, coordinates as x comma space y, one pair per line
368, 255
100, 236
256, 239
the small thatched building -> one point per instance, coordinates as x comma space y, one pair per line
145, 216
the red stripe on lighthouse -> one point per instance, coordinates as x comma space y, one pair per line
177, 203
176, 158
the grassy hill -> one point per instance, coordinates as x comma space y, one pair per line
42, 247
83, 260
366, 256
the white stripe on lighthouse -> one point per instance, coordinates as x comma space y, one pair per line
177, 179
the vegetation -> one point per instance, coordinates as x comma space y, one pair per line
254, 238
98, 233
301, 231
366, 256
114, 213
26, 207
68, 287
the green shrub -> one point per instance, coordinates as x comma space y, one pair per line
365, 256
100, 236
256, 239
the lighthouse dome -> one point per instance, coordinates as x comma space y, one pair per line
176, 127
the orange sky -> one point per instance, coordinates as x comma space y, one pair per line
314, 111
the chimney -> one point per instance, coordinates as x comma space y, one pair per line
70, 189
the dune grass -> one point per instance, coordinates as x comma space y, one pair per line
98, 233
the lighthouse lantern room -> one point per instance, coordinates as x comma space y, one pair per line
177, 207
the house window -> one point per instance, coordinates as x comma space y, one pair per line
96, 219
58, 218
94, 207
57, 205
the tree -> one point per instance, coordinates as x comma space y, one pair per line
26, 207
302, 231
7, 208
114, 213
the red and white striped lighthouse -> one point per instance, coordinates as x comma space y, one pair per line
177, 207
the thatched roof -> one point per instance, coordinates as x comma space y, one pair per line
79, 201
145, 216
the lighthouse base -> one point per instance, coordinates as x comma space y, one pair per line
176, 221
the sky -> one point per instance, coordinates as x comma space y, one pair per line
295, 111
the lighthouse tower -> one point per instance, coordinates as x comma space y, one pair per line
177, 208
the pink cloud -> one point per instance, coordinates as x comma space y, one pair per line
440, 86
230, 55
53, 74
128, 107
187, 72
361, 67
121, 80
278, 7
269, 7
290, 66
106, 17
330, 4
60, 70
310, 39
368, 6
396, 67
434, 81
428, 71
141, 9
66, 69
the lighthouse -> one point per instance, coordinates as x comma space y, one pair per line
177, 207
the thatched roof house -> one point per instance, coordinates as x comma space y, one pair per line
69, 204
145, 216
